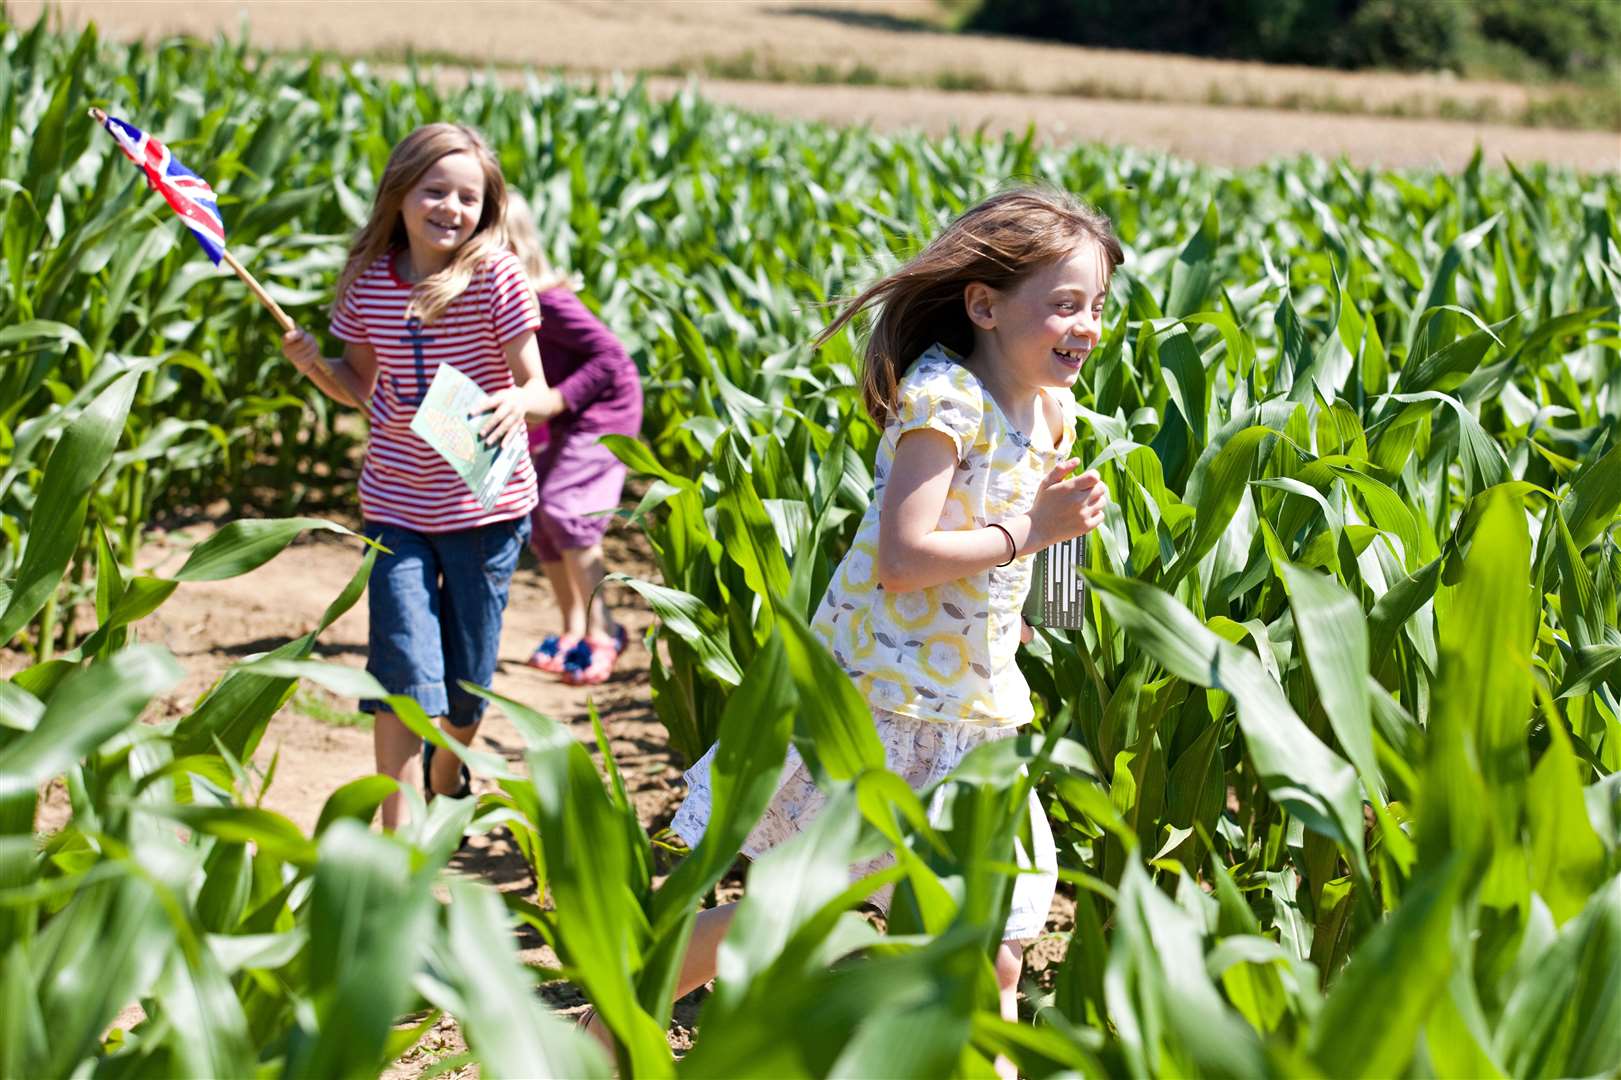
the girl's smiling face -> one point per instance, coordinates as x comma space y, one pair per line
442, 210
1043, 329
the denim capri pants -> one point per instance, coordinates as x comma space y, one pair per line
436, 603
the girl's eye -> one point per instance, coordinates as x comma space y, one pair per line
1066, 305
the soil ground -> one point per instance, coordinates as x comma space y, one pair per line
1218, 112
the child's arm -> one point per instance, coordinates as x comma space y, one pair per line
529, 399
349, 380
915, 553
567, 319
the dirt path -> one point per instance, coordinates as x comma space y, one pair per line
210, 625
1153, 101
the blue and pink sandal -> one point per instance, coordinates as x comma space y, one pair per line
552, 652
592, 660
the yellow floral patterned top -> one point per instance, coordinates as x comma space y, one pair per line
945, 653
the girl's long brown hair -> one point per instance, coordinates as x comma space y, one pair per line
384, 231
1000, 242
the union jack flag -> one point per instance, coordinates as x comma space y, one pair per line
185, 191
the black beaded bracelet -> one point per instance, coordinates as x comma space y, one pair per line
1012, 548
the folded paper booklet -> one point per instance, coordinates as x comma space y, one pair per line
445, 422
1057, 595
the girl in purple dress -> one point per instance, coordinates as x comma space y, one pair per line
580, 479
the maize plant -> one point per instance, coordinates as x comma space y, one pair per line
1332, 763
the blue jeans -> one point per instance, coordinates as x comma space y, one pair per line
436, 604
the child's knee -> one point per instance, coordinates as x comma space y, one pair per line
1009, 964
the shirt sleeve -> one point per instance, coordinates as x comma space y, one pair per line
513, 312
943, 397
570, 324
347, 324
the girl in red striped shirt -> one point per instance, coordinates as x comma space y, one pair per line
428, 282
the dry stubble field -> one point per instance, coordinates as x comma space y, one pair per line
1153, 101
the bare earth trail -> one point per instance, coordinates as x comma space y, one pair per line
1071, 94
209, 625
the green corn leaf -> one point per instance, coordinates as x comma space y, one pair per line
833, 727
1334, 639
595, 875
1564, 1016
236, 711
208, 1029
1483, 702
1595, 495
693, 621
41, 330
1173, 1013
59, 511
1297, 769
1567, 859
368, 914
494, 999
754, 731
1371, 1021
88, 708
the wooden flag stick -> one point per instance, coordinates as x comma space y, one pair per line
258, 290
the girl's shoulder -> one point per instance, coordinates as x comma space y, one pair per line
938, 392
373, 288
499, 266
939, 373
500, 287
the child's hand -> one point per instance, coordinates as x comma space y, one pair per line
506, 415
1067, 506
300, 348
1027, 633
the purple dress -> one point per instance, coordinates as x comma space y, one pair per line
602, 395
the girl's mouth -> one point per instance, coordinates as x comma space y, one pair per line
1072, 358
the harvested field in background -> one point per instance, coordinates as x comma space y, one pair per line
1218, 112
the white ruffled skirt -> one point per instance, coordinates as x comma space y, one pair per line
921, 752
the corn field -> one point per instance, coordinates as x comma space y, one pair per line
1332, 766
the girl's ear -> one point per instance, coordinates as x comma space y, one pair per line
980, 301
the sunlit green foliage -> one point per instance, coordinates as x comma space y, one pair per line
1333, 764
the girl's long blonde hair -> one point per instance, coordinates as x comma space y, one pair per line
1000, 242
522, 238
384, 231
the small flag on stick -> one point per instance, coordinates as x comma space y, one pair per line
190, 197
187, 193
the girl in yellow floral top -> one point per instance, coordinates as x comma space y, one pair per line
976, 345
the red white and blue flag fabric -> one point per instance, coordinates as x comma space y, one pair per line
185, 191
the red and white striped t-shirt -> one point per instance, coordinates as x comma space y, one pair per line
404, 481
